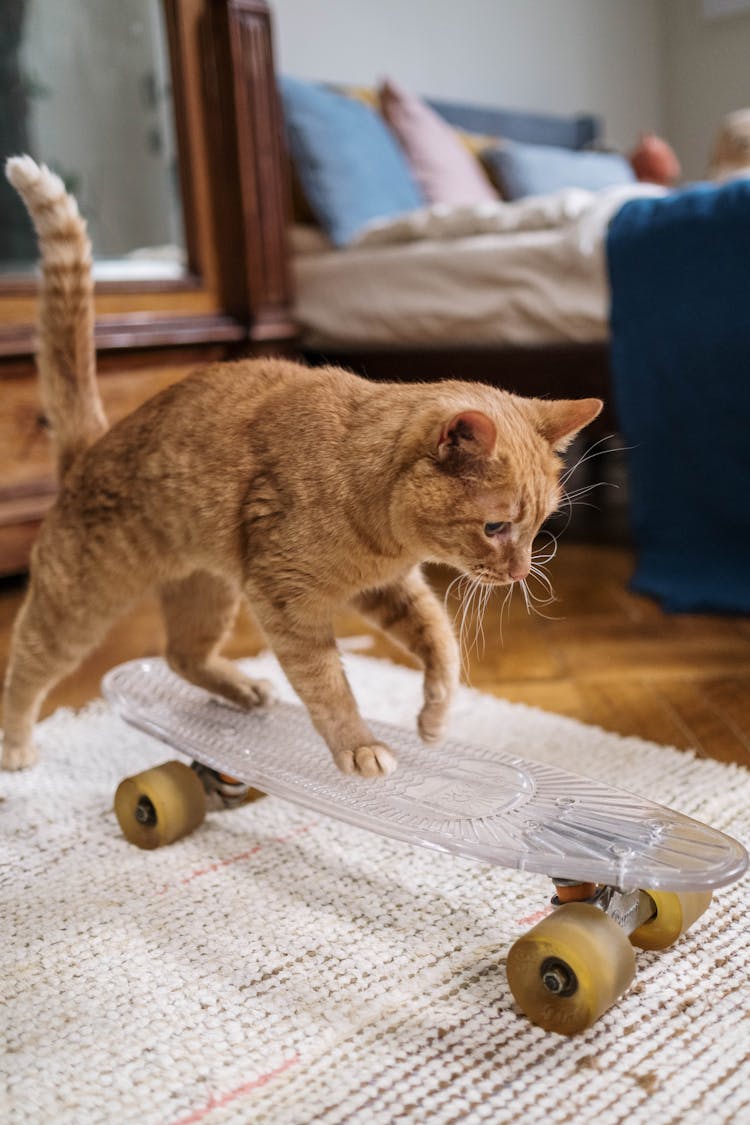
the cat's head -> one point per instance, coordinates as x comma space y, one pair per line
486, 479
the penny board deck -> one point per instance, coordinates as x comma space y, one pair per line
477, 802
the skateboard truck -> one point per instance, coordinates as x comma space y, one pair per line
630, 909
223, 791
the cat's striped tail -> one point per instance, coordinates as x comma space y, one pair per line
66, 359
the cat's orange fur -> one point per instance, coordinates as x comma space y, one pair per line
302, 490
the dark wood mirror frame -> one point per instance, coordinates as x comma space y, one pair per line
229, 140
236, 295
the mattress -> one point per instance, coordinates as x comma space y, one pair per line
524, 273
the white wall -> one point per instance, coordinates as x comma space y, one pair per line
706, 75
601, 56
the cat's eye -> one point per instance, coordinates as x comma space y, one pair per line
495, 528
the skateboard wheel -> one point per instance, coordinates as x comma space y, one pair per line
160, 805
571, 967
675, 913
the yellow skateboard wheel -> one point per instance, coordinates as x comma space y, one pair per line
566, 971
675, 913
160, 805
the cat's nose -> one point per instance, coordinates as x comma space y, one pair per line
518, 573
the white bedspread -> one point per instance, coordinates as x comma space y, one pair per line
529, 272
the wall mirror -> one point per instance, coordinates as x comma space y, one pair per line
85, 87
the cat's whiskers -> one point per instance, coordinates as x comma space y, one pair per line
588, 455
575, 496
533, 600
463, 586
574, 499
506, 605
465, 617
484, 596
473, 596
449, 590
569, 499
541, 576
551, 548
479, 593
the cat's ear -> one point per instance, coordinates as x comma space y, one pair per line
559, 420
471, 432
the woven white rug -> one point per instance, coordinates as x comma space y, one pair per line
278, 967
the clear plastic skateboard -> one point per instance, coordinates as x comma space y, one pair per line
627, 872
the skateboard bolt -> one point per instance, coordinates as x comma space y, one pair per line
558, 978
145, 813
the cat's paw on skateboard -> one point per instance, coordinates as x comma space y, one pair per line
375, 760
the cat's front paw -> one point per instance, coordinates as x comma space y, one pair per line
432, 721
439, 688
375, 760
255, 693
433, 718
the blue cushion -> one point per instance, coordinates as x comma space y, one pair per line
539, 169
517, 125
349, 165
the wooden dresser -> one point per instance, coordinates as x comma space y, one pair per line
235, 297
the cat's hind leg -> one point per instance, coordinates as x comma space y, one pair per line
409, 611
38, 658
58, 624
199, 612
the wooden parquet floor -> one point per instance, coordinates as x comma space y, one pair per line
602, 655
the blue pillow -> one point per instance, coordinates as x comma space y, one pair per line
521, 170
349, 165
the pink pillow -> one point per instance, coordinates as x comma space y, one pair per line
443, 167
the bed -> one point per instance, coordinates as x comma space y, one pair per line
513, 292
529, 274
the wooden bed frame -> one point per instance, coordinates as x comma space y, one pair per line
560, 370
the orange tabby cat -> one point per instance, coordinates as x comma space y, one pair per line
304, 490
